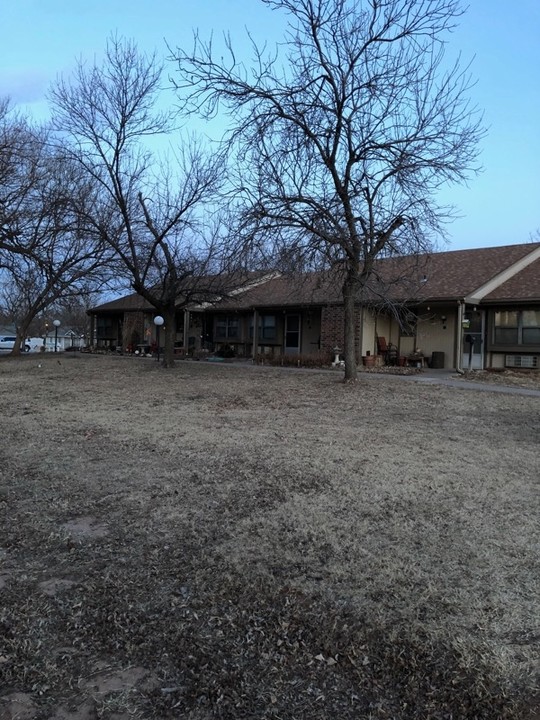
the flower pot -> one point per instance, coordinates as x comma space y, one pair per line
369, 360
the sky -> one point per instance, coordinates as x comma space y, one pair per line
42, 39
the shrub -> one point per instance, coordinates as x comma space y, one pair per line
225, 351
319, 359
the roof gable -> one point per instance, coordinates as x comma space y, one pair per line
523, 286
460, 273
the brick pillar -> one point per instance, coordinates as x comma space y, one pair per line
332, 325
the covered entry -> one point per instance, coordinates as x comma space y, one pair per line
473, 340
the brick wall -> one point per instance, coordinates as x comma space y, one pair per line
133, 329
332, 322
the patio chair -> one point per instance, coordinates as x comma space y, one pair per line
389, 351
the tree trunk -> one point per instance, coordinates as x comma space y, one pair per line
20, 341
169, 316
349, 301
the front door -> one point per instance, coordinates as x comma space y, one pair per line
473, 341
292, 334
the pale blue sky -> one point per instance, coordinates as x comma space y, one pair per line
43, 38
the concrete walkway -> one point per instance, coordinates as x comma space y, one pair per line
428, 376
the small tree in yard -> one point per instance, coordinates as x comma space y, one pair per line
151, 215
346, 134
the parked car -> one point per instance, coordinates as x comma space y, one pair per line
35, 343
7, 343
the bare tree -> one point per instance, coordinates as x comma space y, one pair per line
22, 149
154, 215
46, 250
346, 134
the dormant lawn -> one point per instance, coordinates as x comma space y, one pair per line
223, 541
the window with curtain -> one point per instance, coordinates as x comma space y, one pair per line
517, 327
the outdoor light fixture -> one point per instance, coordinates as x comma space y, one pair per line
158, 322
443, 320
56, 324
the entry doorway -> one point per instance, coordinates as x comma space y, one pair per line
473, 341
292, 334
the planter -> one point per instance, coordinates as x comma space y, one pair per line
369, 360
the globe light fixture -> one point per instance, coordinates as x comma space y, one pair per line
56, 324
158, 322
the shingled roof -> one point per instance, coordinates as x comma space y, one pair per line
522, 287
458, 273
445, 276
127, 303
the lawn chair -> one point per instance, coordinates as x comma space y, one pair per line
388, 351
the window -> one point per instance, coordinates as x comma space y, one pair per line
517, 327
530, 327
227, 327
105, 327
267, 328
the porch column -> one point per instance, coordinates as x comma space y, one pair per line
255, 335
459, 335
92, 337
186, 331
361, 319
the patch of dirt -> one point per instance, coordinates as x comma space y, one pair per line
17, 706
55, 585
103, 683
227, 541
85, 527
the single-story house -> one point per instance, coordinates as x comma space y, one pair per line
476, 308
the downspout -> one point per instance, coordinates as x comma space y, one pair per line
459, 336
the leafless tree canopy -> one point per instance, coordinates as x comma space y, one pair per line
347, 133
156, 216
47, 251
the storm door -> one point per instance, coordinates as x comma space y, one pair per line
473, 341
292, 334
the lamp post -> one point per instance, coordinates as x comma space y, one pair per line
45, 337
158, 322
56, 324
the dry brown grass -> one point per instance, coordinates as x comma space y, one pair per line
511, 378
228, 542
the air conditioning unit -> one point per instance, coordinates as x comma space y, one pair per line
522, 361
